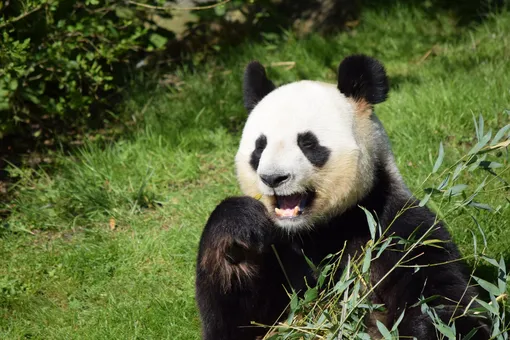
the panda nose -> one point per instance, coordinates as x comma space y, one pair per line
274, 181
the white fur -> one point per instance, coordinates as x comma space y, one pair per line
320, 108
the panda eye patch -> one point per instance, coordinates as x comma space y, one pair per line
260, 145
309, 144
307, 140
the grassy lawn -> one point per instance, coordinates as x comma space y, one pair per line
102, 244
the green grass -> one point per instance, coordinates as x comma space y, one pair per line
65, 273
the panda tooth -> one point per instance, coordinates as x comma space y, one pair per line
287, 212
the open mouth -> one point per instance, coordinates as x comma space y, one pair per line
292, 206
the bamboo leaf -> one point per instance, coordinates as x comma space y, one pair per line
445, 330
425, 199
384, 331
490, 165
433, 243
342, 285
433, 191
456, 190
488, 307
477, 131
491, 261
439, 159
475, 251
383, 247
360, 336
310, 263
483, 142
371, 222
310, 295
480, 126
366, 260
481, 231
457, 171
489, 287
470, 334
395, 325
500, 134
425, 300
502, 277
323, 275
482, 206
444, 183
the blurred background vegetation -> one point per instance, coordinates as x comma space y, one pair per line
64, 63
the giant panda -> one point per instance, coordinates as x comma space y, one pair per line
310, 156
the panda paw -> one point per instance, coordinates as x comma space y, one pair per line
233, 242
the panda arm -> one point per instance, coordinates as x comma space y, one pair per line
448, 281
237, 281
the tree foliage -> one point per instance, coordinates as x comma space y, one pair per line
58, 57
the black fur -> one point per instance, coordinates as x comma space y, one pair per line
226, 314
256, 85
363, 78
317, 154
260, 145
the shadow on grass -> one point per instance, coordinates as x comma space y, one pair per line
465, 13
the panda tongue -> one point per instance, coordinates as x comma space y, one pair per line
289, 202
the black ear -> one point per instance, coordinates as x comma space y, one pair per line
256, 85
362, 77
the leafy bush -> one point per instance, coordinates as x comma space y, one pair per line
58, 57
336, 309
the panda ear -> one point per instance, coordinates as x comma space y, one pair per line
363, 78
256, 85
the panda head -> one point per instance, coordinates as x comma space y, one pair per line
308, 149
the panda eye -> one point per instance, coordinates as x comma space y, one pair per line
307, 141
308, 144
261, 143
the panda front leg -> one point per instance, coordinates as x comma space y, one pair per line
237, 279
